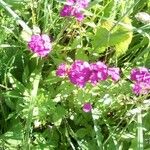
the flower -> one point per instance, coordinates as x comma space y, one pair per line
74, 8
141, 78
114, 73
79, 73
40, 44
138, 74
62, 70
141, 88
87, 107
66, 11
98, 72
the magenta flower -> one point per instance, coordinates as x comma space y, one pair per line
87, 107
138, 74
114, 73
74, 8
141, 78
66, 11
62, 70
40, 44
98, 72
79, 73
79, 16
141, 88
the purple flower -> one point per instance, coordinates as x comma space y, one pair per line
98, 72
141, 88
40, 44
79, 73
141, 78
87, 107
74, 8
79, 16
114, 73
62, 70
138, 74
66, 11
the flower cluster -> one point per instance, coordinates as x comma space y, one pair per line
81, 72
40, 44
74, 8
141, 78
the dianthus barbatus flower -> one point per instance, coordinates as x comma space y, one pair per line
114, 73
139, 74
87, 107
98, 72
141, 88
62, 70
74, 8
141, 78
79, 73
40, 44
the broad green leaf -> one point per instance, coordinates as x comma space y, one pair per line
122, 47
104, 38
101, 38
81, 55
119, 37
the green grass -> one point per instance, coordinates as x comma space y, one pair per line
38, 110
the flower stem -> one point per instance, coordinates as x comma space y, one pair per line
139, 130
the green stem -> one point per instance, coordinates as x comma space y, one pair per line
33, 13
140, 130
33, 93
98, 134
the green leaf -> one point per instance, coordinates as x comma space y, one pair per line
15, 135
122, 46
76, 43
101, 38
81, 133
58, 115
119, 37
80, 55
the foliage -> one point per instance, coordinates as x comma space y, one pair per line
39, 110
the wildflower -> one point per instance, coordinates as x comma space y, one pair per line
138, 74
98, 72
66, 11
74, 8
40, 44
62, 70
141, 78
79, 73
141, 88
114, 73
87, 107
